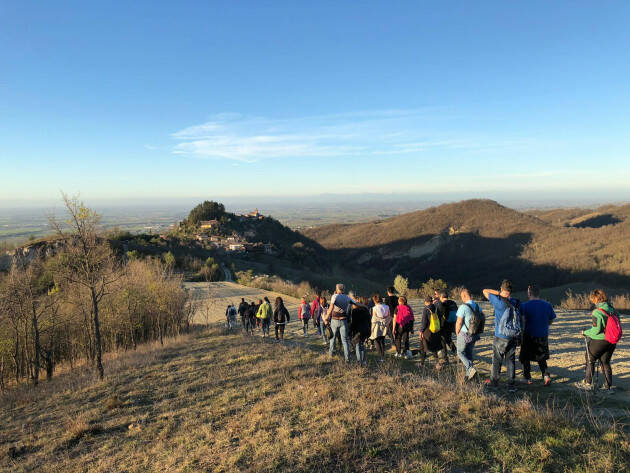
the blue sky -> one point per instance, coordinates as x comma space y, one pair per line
128, 100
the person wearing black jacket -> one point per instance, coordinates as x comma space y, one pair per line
280, 318
430, 343
444, 307
242, 311
360, 327
392, 302
251, 318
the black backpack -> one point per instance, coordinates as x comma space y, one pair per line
477, 321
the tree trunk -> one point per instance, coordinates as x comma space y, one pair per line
36, 362
97, 335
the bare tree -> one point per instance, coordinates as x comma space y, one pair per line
87, 261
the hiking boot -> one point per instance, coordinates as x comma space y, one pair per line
547, 381
584, 386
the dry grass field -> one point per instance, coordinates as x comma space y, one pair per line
222, 402
566, 343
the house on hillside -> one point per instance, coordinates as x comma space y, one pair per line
208, 224
255, 215
236, 247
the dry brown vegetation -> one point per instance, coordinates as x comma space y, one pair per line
80, 302
581, 301
216, 402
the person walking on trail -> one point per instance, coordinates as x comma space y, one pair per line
360, 326
230, 315
322, 311
316, 313
447, 311
381, 321
264, 315
601, 340
251, 318
538, 315
280, 318
337, 317
431, 341
304, 314
242, 311
467, 332
403, 327
507, 333
392, 302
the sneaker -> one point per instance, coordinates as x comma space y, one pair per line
381, 360
607, 389
491, 383
529, 381
547, 381
583, 385
511, 388
409, 355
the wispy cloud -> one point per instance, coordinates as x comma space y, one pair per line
352, 134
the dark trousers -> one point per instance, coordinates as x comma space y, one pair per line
447, 332
380, 346
599, 350
504, 350
402, 337
279, 331
432, 343
527, 368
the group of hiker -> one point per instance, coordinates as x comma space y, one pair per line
348, 321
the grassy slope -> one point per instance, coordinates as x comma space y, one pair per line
213, 402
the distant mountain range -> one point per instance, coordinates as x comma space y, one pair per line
480, 242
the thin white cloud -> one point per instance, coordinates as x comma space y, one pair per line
360, 133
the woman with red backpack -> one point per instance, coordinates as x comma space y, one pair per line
601, 340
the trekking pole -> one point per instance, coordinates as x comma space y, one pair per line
595, 379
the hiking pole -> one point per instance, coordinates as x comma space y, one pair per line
594, 380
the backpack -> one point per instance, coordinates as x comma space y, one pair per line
510, 324
434, 322
306, 312
477, 321
613, 331
450, 311
232, 312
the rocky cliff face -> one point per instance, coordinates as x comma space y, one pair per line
28, 252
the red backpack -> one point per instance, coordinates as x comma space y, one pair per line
613, 331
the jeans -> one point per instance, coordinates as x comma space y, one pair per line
465, 353
265, 326
503, 349
359, 346
324, 337
341, 327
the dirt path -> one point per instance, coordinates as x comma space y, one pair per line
566, 343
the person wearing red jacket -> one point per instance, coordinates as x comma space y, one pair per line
402, 327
